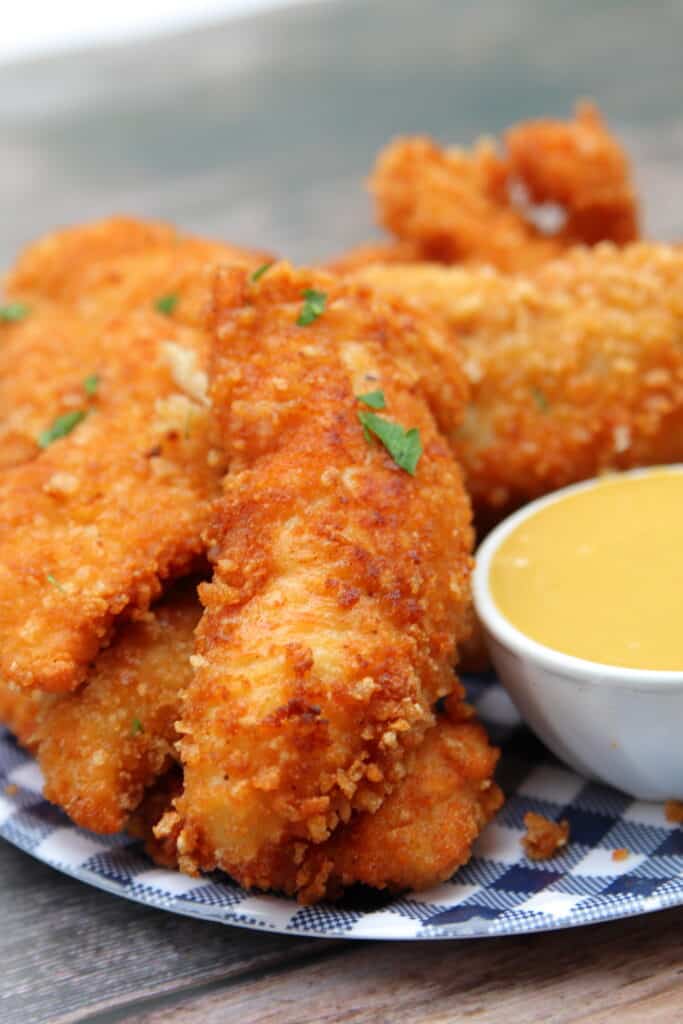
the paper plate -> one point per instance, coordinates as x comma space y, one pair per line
500, 891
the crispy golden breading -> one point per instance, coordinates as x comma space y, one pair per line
340, 581
91, 526
420, 835
100, 748
544, 838
74, 284
575, 370
582, 168
425, 828
456, 205
54, 266
20, 711
44, 360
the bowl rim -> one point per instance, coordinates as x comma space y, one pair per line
496, 623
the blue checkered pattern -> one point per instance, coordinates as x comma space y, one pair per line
500, 891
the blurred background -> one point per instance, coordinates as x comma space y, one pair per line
258, 120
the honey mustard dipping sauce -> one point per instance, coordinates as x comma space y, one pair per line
598, 573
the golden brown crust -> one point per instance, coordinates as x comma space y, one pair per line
574, 370
119, 505
544, 838
340, 581
456, 205
421, 834
77, 285
582, 168
100, 748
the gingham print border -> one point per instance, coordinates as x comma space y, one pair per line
500, 891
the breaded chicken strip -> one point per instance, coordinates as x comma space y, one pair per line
69, 287
54, 266
419, 837
91, 527
575, 369
340, 580
474, 206
100, 748
117, 500
424, 830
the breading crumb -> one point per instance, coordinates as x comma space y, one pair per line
673, 810
544, 838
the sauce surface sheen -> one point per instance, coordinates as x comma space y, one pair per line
599, 574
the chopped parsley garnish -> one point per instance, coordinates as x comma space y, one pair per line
136, 726
91, 384
375, 399
313, 307
540, 399
13, 312
54, 582
257, 274
62, 426
166, 304
404, 446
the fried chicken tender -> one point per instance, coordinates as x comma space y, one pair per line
340, 581
91, 526
420, 835
73, 284
426, 826
575, 369
101, 747
475, 206
582, 168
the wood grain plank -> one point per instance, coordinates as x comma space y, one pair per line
572, 977
68, 950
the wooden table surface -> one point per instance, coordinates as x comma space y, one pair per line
261, 131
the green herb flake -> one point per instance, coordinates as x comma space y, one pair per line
136, 727
257, 274
540, 399
375, 399
404, 446
54, 582
13, 312
313, 307
91, 384
62, 426
166, 304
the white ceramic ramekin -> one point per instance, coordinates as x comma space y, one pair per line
618, 725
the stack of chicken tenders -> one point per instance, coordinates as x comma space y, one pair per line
237, 500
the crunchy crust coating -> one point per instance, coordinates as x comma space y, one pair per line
420, 835
117, 506
456, 205
75, 283
100, 748
576, 369
91, 527
340, 582
582, 168
425, 828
